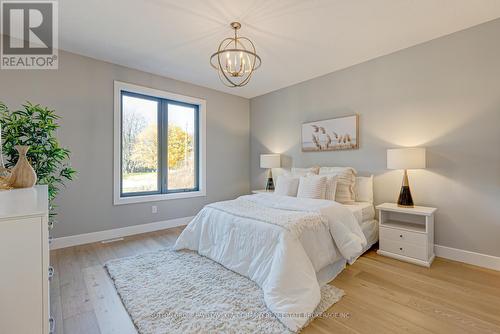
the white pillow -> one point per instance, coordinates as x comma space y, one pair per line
304, 171
364, 189
286, 185
312, 187
331, 187
346, 181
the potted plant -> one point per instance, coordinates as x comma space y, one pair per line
35, 126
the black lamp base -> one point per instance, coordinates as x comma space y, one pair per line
270, 182
405, 200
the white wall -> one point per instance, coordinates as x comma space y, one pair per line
443, 94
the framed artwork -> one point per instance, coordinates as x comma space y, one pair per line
334, 134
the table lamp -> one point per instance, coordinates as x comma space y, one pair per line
270, 161
406, 158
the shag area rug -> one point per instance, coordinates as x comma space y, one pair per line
182, 292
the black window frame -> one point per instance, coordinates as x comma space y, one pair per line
162, 123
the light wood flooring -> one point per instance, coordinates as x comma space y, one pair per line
383, 295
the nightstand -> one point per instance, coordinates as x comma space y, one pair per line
407, 234
260, 191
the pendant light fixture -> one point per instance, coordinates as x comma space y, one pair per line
235, 59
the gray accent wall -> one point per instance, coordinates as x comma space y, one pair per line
443, 94
81, 91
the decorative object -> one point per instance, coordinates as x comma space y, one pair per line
407, 234
22, 175
313, 186
345, 191
406, 158
334, 134
235, 59
35, 126
175, 294
270, 161
4, 184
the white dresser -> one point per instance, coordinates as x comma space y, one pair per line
407, 234
24, 261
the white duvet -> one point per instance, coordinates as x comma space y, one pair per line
257, 236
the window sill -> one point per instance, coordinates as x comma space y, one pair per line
155, 198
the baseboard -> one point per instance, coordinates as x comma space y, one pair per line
86, 238
477, 259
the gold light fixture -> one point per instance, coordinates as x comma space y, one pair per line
235, 59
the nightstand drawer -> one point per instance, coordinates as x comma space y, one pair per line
413, 238
404, 249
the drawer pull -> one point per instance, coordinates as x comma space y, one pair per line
50, 240
52, 325
51, 272
51, 225
400, 248
400, 235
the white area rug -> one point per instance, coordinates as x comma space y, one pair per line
183, 292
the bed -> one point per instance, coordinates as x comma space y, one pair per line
289, 246
364, 213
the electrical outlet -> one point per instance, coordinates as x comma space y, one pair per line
154, 209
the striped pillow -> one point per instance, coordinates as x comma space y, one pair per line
331, 187
346, 181
312, 187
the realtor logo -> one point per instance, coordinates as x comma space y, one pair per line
29, 35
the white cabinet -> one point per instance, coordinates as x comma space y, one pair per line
407, 234
24, 261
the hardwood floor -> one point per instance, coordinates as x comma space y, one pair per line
382, 295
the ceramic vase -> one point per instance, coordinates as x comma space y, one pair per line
22, 175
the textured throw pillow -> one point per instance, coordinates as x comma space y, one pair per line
346, 181
286, 185
364, 189
304, 171
331, 187
312, 187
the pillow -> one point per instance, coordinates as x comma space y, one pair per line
286, 185
312, 187
304, 171
364, 189
331, 187
346, 181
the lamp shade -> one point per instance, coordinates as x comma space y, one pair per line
270, 161
406, 158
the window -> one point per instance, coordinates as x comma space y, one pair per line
159, 145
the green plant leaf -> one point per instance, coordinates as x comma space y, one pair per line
35, 126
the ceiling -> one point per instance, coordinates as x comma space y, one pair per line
297, 39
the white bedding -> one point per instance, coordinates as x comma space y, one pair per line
370, 230
336, 263
265, 248
363, 211
323, 252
